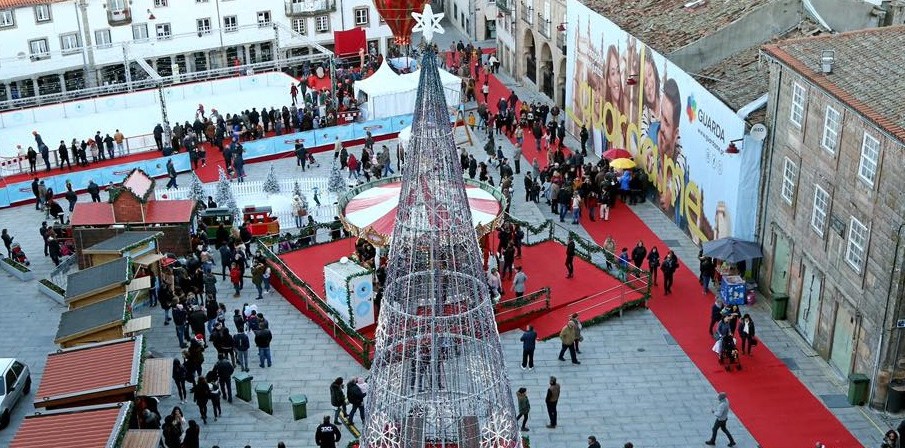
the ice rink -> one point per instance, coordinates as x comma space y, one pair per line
136, 114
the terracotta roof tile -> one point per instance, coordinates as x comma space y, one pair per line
866, 73
90, 427
666, 25
4, 4
92, 214
169, 212
108, 366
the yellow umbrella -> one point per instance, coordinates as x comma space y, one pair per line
622, 164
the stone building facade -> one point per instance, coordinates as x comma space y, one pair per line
833, 198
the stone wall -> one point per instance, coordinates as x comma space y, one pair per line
861, 291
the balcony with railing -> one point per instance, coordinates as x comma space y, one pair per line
504, 6
119, 16
543, 25
561, 41
528, 14
309, 8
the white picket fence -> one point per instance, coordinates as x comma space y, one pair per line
245, 190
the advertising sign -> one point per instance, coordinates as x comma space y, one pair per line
630, 97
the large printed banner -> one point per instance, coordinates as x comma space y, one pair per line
631, 97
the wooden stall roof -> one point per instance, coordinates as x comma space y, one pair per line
122, 242
156, 376
97, 278
74, 323
85, 427
141, 438
106, 368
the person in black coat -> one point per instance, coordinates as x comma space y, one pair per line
35, 189
570, 255
63, 152
356, 398
327, 434
201, 394
94, 191
747, 332
179, 377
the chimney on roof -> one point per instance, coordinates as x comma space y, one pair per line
827, 59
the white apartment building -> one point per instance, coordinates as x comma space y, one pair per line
477, 19
531, 44
55, 46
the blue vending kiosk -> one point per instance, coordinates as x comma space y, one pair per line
733, 290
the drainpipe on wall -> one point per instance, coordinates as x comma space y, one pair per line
892, 277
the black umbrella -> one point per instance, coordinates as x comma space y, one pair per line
732, 250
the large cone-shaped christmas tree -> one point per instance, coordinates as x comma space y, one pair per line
438, 377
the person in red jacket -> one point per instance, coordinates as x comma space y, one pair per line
235, 275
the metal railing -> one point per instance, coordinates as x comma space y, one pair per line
561, 41
60, 274
504, 5
119, 16
528, 14
206, 75
543, 25
309, 7
321, 213
136, 144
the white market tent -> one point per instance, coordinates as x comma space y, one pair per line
390, 94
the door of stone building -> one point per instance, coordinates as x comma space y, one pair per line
782, 261
809, 305
843, 341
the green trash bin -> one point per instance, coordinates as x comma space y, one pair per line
858, 383
780, 303
243, 385
264, 391
299, 406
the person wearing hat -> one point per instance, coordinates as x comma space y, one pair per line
721, 412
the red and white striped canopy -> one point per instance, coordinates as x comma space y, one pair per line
375, 208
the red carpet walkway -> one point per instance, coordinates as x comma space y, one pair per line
773, 404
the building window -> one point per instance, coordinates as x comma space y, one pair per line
39, 48
102, 38
831, 123
789, 174
870, 154
116, 5
70, 42
204, 25
300, 26
362, 16
42, 13
163, 31
263, 18
857, 243
230, 23
160, 3
7, 18
140, 31
798, 99
821, 208
322, 24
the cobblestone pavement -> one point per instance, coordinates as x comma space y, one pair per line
634, 383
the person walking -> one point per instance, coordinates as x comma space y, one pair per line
653, 263
746, 332
529, 341
201, 393
356, 398
8, 243
519, 281
639, 253
192, 436
669, 267
716, 315
567, 338
551, 401
707, 270
171, 172
241, 345
225, 369
262, 341
257, 278
570, 255
721, 412
180, 374
578, 337
337, 399
327, 434
524, 407
592, 442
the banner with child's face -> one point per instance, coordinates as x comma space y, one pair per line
632, 98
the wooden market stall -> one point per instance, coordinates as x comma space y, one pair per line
98, 283
100, 322
140, 246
